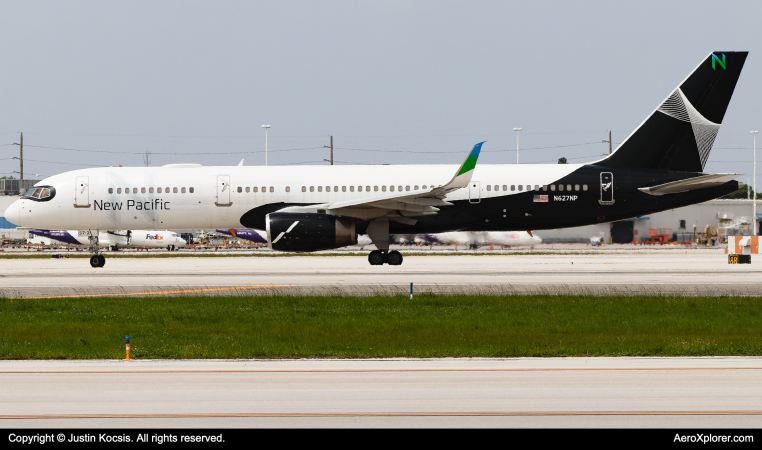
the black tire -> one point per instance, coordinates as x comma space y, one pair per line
394, 258
97, 261
376, 258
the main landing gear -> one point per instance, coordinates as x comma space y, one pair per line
380, 257
97, 261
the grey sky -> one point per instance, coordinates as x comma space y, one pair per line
406, 77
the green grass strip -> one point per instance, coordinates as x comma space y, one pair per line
364, 327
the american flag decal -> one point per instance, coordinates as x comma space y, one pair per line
541, 199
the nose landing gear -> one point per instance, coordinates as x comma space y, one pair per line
381, 257
97, 260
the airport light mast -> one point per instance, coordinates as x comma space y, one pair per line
517, 130
265, 127
754, 180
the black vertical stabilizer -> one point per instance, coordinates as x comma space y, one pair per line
680, 133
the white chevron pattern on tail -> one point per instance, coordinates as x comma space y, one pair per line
704, 131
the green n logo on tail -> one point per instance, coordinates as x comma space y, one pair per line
716, 59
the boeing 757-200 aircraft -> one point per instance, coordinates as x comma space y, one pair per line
658, 167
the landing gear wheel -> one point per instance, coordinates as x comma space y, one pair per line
376, 258
394, 258
97, 261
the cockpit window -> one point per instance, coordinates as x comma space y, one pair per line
40, 193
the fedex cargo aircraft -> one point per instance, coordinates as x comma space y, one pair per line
115, 240
657, 167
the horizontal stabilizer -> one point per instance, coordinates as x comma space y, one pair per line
691, 184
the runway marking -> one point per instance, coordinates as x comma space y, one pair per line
387, 414
575, 369
183, 291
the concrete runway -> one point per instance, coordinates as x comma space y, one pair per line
552, 392
689, 271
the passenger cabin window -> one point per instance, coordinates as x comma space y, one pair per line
264, 188
568, 187
134, 190
497, 188
351, 188
248, 189
407, 188
576, 187
182, 190
584, 187
174, 190
320, 188
545, 187
343, 189
529, 188
110, 190
288, 188
191, 190
118, 190
505, 187
143, 190
513, 187
328, 188
150, 190
383, 188
552, 187
375, 188
560, 187
240, 189
312, 188
304, 188
335, 189
166, 190
489, 188
255, 189
391, 188
521, 188
272, 189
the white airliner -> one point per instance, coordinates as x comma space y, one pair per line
476, 239
658, 167
115, 240
465, 239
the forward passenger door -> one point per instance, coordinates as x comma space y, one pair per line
223, 190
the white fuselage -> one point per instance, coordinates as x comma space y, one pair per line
158, 198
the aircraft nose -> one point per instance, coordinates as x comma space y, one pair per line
13, 213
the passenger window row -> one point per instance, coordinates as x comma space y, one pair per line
537, 187
398, 188
568, 187
255, 189
151, 190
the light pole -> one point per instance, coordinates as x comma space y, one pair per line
265, 127
517, 143
754, 180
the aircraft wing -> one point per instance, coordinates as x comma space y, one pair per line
419, 202
690, 184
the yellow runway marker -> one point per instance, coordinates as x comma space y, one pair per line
8, 372
388, 414
182, 291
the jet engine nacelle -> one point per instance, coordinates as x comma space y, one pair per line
297, 232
